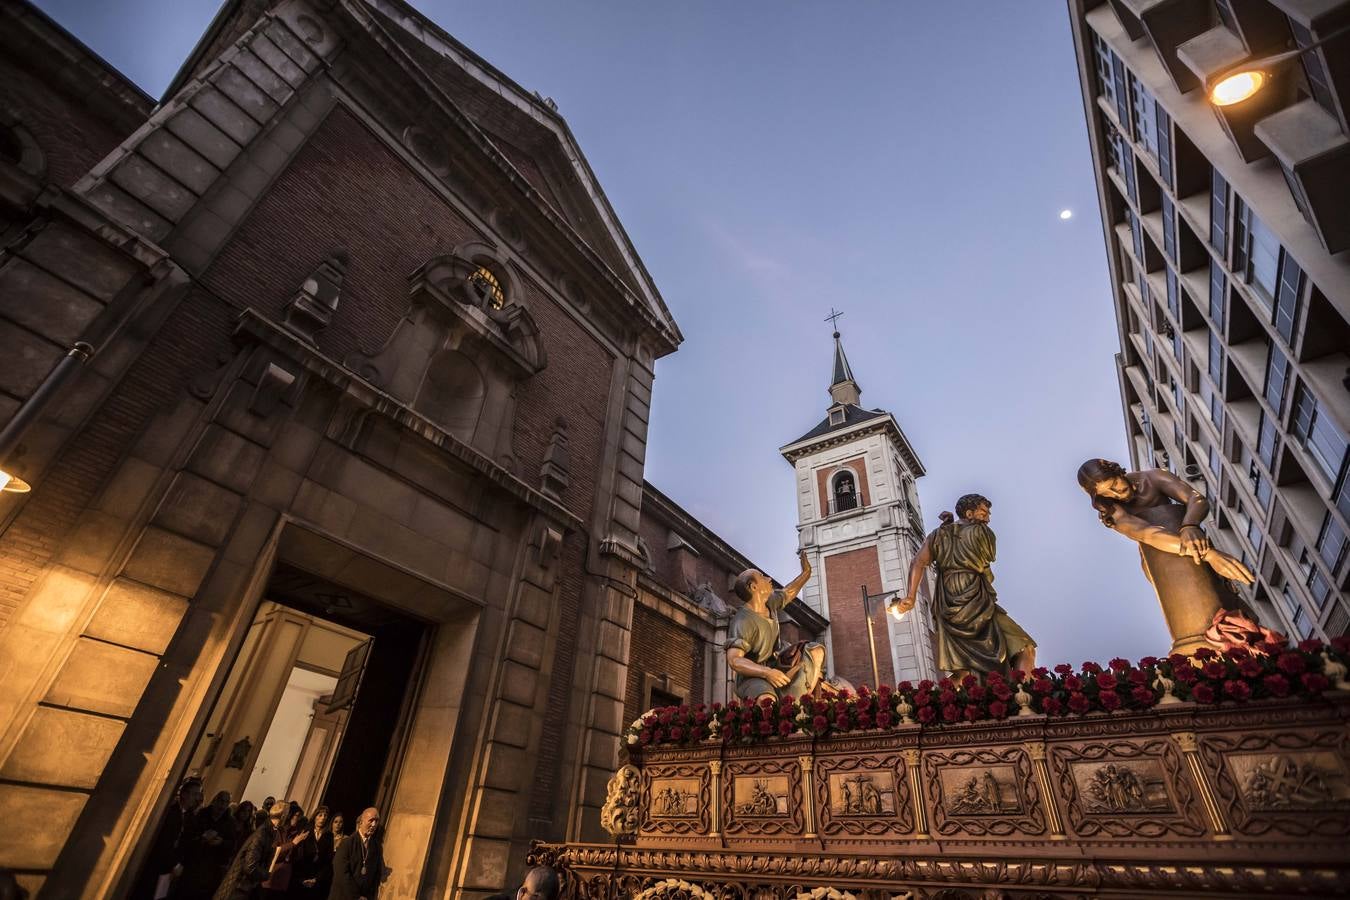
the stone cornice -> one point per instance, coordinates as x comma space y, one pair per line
256, 327
884, 424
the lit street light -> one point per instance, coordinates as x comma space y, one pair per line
1242, 82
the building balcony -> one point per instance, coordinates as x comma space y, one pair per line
1314, 153
1169, 24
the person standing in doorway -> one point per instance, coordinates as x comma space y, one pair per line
289, 838
313, 875
252, 863
165, 860
358, 866
213, 845
339, 831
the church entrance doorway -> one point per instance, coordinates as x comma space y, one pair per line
317, 701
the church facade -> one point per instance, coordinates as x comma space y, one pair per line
861, 524
330, 374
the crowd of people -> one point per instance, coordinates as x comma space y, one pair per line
227, 851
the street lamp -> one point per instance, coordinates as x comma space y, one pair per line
892, 607
1241, 82
26, 414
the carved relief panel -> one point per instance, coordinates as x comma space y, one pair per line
863, 795
978, 793
676, 799
1126, 789
1295, 784
763, 798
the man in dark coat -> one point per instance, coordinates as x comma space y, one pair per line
358, 866
169, 849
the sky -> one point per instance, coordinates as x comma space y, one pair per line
905, 162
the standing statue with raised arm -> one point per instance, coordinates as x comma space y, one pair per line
974, 634
1162, 514
752, 648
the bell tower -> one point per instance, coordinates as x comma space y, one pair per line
860, 523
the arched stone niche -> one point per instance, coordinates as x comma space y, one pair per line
453, 357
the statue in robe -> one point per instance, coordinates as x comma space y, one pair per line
762, 668
1163, 514
974, 633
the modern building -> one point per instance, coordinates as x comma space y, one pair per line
1227, 231
348, 503
859, 520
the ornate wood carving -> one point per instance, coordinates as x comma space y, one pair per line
763, 798
676, 799
863, 795
1295, 784
1126, 789
980, 793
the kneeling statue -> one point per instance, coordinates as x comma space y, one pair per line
762, 670
1191, 577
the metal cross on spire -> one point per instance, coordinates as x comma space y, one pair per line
833, 318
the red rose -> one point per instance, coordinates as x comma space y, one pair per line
1186, 674
1291, 663
864, 702
1178, 660
1106, 681
885, 690
1064, 669
947, 697
746, 729
883, 720
1042, 685
1138, 676
1091, 667
1311, 645
998, 709
1109, 700
1120, 665
676, 733
819, 723
1238, 690
971, 713
841, 721
1052, 706
717, 707
1073, 683
1001, 691
950, 713
926, 714
1214, 669
645, 737
1017, 676
785, 728
1202, 692
845, 693
925, 685
658, 736
1204, 653
1148, 662
1040, 672
664, 718
821, 707
1250, 667
969, 682
766, 728
863, 690
994, 678
1277, 685
1142, 695
864, 720
975, 692
1315, 682
1078, 703
923, 699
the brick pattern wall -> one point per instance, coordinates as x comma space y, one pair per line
345, 188
661, 647
823, 476
845, 573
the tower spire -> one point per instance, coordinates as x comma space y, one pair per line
843, 388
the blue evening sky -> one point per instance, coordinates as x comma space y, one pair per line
904, 162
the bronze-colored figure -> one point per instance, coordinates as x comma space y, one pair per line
974, 634
1163, 514
752, 648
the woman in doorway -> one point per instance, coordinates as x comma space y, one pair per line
339, 832
313, 861
290, 836
245, 815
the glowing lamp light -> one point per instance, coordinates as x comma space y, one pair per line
893, 607
13, 484
1237, 87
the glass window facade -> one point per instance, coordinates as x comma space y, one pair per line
1286, 298
1218, 290
1145, 116
1267, 442
1319, 435
1277, 378
1332, 542
1173, 295
1218, 213
1263, 266
1314, 67
1169, 215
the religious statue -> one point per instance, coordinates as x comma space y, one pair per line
974, 634
1162, 514
762, 670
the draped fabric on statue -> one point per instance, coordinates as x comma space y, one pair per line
973, 631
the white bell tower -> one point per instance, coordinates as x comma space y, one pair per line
859, 520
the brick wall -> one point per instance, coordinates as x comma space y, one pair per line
345, 188
824, 474
845, 573
659, 647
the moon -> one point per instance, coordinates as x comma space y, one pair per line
1066, 214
